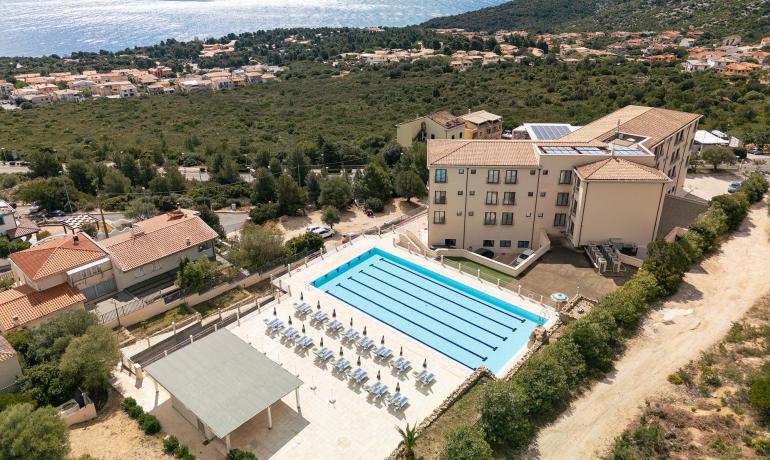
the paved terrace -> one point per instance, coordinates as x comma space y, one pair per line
337, 419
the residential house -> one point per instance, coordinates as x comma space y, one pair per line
38, 98
121, 89
155, 246
68, 95
695, 65
764, 42
6, 87
437, 125
14, 226
10, 369
482, 125
661, 58
741, 69
732, 40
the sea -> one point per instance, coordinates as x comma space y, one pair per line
44, 27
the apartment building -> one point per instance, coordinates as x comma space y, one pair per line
610, 184
444, 125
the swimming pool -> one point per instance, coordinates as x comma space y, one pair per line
463, 323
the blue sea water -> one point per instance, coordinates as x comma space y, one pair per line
463, 323
40, 27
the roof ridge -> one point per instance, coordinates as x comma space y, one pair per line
462, 143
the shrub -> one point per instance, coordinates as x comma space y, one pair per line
505, 416
759, 395
735, 206
467, 443
302, 243
128, 403
12, 399
544, 381
238, 454
667, 263
263, 212
135, 412
375, 204
755, 187
149, 424
170, 445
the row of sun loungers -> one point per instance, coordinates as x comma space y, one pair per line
274, 325
359, 375
319, 317
397, 401
425, 377
350, 335
383, 353
402, 365
342, 365
335, 326
302, 308
324, 354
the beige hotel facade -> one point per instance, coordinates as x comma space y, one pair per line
605, 180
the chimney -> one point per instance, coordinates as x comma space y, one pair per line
187, 241
15, 320
75, 239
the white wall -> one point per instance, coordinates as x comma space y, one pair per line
9, 371
167, 264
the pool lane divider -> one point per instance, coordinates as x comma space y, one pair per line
483, 358
453, 289
492, 347
464, 320
448, 300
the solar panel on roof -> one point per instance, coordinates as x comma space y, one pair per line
559, 150
589, 150
623, 150
549, 132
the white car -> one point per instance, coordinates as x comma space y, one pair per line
324, 232
524, 256
312, 228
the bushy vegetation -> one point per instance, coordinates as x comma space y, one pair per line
147, 422
195, 275
512, 410
238, 454
29, 433
307, 242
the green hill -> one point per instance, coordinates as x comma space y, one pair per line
750, 18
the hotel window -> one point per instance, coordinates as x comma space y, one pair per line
530, 193
493, 176
473, 171
472, 193
532, 172
439, 217
542, 194
439, 197
545, 172
490, 218
459, 192
562, 199
559, 220
505, 243
488, 243
510, 176
461, 171
440, 176
470, 213
565, 176
506, 218
509, 198
522, 244
491, 198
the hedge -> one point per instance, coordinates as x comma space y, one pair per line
513, 410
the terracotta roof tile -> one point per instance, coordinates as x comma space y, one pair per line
6, 350
446, 119
24, 227
492, 152
156, 238
618, 169
652, 122
56, 256
29, 305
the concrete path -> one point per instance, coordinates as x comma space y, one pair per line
719, 291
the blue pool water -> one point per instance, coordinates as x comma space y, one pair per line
463, 323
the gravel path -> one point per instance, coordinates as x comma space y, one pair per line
719, 291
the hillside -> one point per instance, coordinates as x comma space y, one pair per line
748, 17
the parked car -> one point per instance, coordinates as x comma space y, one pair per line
484, 252
755, 151
34, 208
55, 213
312, 228
324, 232
524, 256
733, 187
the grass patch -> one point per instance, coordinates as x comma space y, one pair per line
472, 267
160, 321
463, 412
221, 301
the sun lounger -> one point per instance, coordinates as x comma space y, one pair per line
290, 333
382, 391
342, 365
324, 354
398, 362
305, 342
401, 403
269, 322
277, 325
319, 316
351, 335
365, 343
384, 353
394, 398
334, 326
427, 378
302, 308
404, 366
373, 389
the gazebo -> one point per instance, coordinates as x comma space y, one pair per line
220, 382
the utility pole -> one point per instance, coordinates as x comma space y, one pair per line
101, 211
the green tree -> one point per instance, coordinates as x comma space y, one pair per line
141, 208
263, 186
409, 184
504, 418
376, 182
44, 163
313, 184
82, 176
467, 443
46, 384
9, 247
29, 433
147, 171
211, 218
227, 173
115, 183
48, 342
336, 192
302, 243
759, 394
49, 193
125, 162
291, 197
263, 212
174, 179
258, 245
194, 275
392, 152
90, 358
408, 440
297, 164
667, 263
90, 229
735, 207
716, 156
330, 216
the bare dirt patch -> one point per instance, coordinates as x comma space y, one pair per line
113, 435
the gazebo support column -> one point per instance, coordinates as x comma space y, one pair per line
227, 442
269, 419
296, 395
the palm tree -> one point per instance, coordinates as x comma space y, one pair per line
408, 438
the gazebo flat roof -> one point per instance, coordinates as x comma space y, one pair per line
223, 380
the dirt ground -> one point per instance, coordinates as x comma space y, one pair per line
352, 220
114, 436
719, 291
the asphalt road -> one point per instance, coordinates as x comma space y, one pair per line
231, 221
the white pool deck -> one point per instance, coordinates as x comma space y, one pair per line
337, 419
